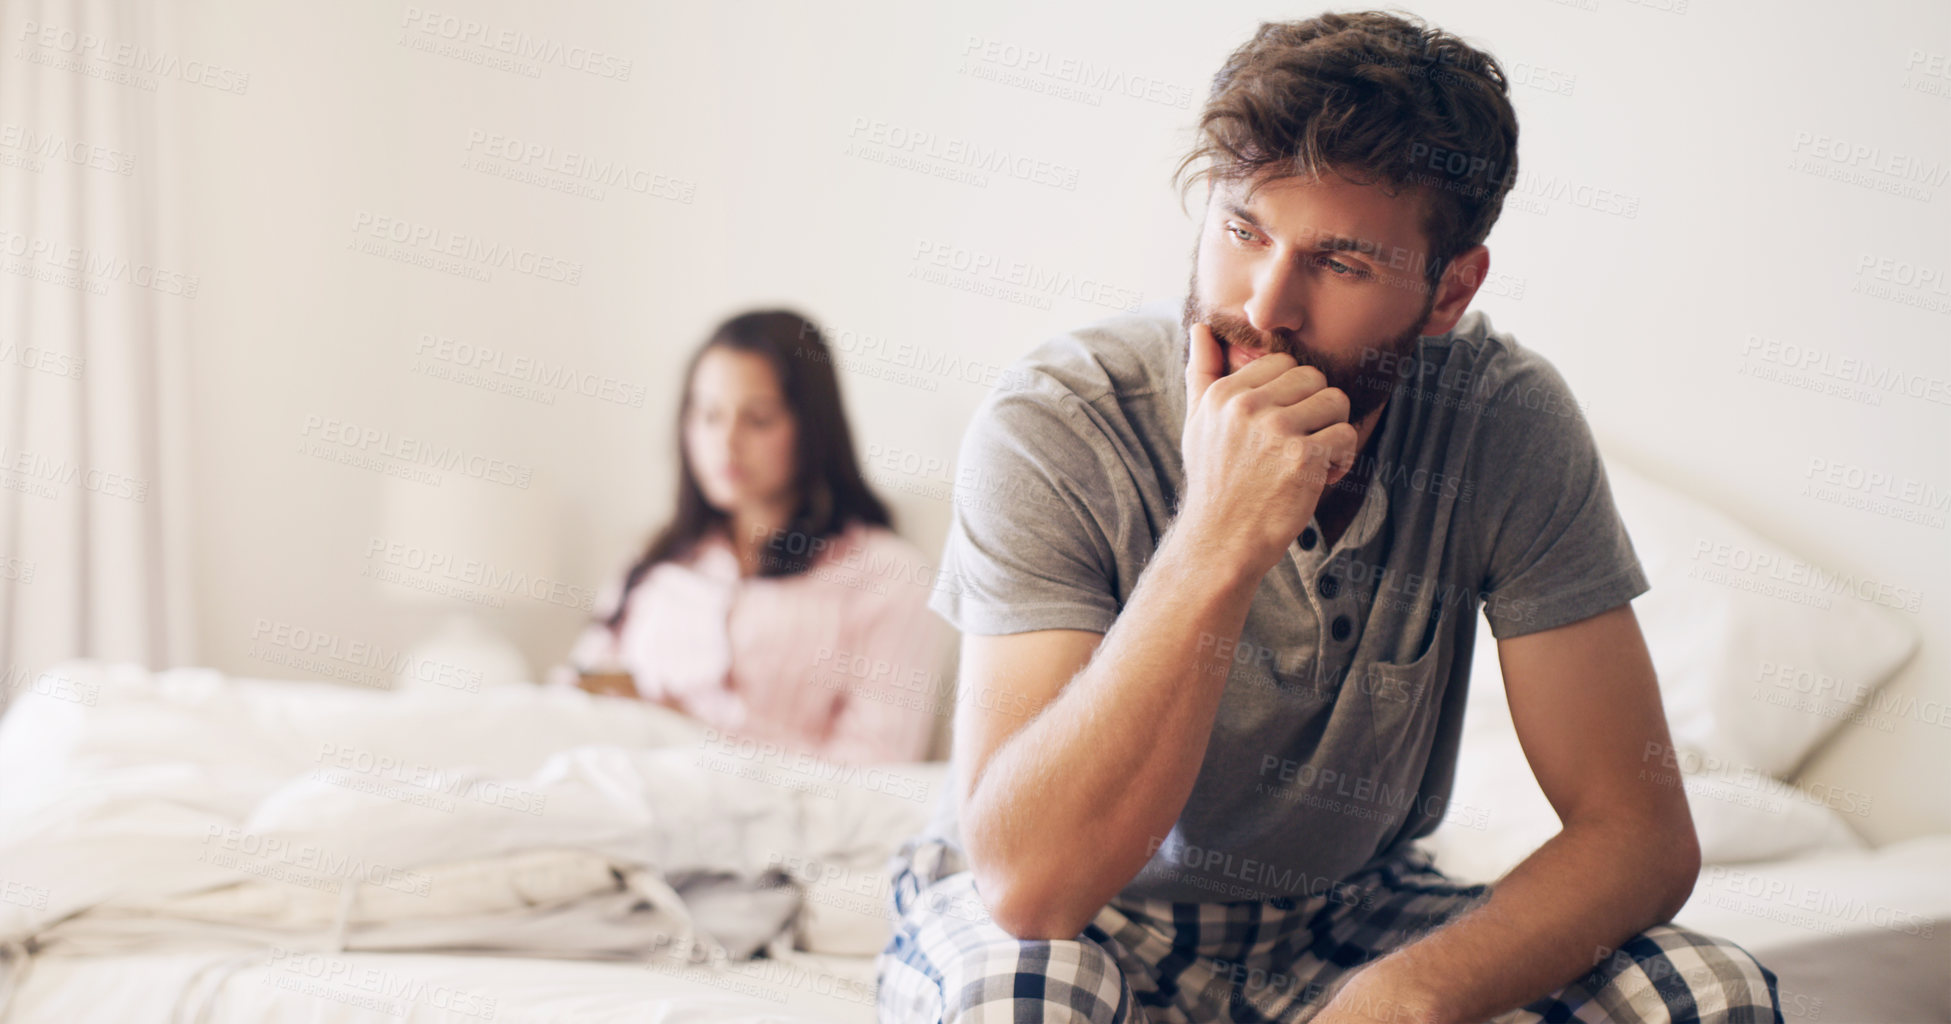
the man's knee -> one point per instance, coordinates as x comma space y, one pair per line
1669, 972
1069, 980
946, 952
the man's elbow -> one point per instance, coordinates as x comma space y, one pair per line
1679, 862
1026, 913
1032, 895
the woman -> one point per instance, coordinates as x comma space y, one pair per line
778, 604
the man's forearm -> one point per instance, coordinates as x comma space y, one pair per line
1553, 918
1065, 812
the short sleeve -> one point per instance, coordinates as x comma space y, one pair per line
1556, 549
1024, 550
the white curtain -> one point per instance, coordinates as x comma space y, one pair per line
93, 303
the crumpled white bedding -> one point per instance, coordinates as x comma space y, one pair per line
425, 988
139, 808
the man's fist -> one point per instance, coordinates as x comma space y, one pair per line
1260, 446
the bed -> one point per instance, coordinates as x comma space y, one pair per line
187, 845
195, 846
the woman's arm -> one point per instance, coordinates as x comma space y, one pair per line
891, 716
595, 662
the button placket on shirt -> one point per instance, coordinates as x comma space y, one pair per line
1324, 575
1311, 562
1329, 594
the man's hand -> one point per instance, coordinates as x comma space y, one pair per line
1260, 446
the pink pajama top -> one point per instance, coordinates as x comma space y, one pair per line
843, 660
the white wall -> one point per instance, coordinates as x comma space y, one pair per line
1700, 118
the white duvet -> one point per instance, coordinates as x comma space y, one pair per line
137, 807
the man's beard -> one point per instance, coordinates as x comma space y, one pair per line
1368, 379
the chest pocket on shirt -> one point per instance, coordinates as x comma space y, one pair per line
1405, 699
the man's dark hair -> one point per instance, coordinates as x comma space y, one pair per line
1375, 98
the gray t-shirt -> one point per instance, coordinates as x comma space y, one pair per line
1336, 737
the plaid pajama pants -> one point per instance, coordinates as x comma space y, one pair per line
1158, 962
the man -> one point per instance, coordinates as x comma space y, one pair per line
1218, 615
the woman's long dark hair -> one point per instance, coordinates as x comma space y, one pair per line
832, 494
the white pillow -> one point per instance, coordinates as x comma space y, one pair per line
1760, 655
1752, 675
